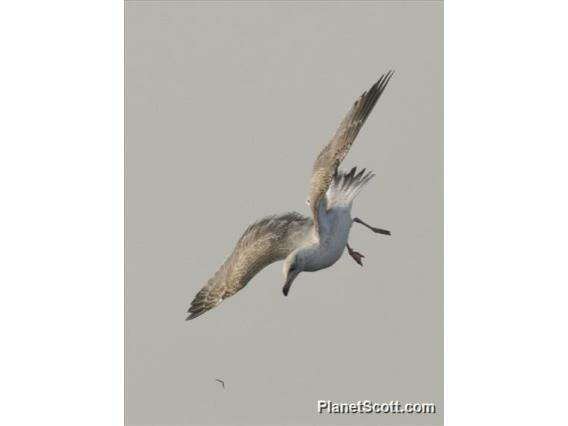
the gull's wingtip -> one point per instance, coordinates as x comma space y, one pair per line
194, 315
384, 79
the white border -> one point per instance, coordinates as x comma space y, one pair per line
506, 200
61, 214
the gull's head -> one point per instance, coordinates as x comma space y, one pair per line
293, 265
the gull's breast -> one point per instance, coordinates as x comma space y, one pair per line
333, 238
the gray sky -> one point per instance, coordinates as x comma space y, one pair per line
227, 106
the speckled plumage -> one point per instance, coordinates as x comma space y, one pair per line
264, 242
331, 156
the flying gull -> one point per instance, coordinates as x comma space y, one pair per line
306, 244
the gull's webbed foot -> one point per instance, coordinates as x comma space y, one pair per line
358, 257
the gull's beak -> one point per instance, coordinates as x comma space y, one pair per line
289, 280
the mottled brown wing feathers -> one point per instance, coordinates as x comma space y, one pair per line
264, 242
335, 151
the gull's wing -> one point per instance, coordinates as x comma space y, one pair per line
269, 240
335, 151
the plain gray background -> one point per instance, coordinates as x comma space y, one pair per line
227, 106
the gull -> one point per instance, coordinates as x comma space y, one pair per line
306, 244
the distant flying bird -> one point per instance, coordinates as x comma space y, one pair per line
306, 244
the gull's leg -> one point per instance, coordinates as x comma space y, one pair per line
372, 228
355, 255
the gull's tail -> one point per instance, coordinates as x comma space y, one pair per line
346, 186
